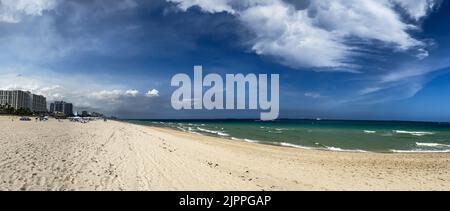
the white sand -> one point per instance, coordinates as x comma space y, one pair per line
121, 156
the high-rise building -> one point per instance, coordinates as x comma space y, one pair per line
21, 99
52, 108
16, 99
62, 107
39, 103
68, 109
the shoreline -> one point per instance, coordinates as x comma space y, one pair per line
118, 155
283, 145
262, 143
289, 145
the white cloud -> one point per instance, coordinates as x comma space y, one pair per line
370, 90
11, 11
318, 35
291, 37
417, 9
131, 93
206, 5
403, 82
152, 93
113, 95
52, 93
82, 91
35, 85
108, 94
127, 4
313, 95
422, 54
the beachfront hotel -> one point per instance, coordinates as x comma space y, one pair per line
22, 99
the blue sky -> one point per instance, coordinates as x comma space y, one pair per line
343, 59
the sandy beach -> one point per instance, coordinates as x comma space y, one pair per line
121, 156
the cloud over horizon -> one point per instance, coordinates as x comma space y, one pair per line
84, 92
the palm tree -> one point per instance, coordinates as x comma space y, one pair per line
8, 109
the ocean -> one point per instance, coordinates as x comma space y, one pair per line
334, 135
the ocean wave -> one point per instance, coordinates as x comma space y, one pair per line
322, 147
190, 130
276, 132
251, 141
293, 145
182, 129
220, 133
246, 140
431, 144
414, 133
370, 131
337, 149
421, 151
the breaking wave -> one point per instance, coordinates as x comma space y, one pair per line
431, 145
369, 131
245, 140
220, 133
293, 145
421, 151
414, 133
337, 149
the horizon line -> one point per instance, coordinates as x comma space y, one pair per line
280, 119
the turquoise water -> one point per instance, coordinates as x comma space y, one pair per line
359, 136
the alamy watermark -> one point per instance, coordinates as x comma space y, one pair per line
233, 93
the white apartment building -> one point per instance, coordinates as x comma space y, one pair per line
22, 99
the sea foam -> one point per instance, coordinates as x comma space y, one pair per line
337, 149
293, 145
370, 131
220, 133
431, 144
246, 140
414, 133
421, 151
251, 141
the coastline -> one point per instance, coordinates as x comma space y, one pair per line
117, 155
431, 143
